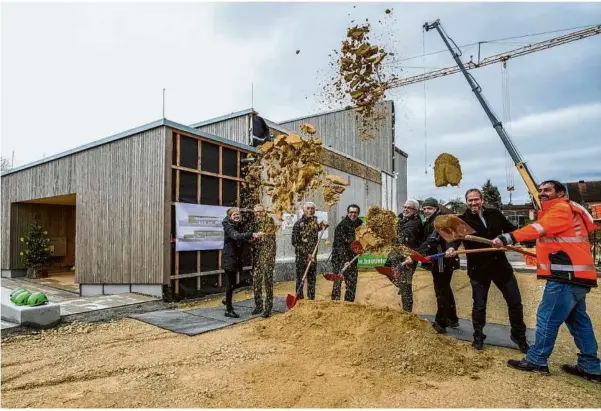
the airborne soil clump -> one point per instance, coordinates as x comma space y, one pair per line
447, 170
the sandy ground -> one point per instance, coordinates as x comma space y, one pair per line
321, 354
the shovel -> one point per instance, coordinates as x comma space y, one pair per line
479, 250
291, 300
357, 249
452, 228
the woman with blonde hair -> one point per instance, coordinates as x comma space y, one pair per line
231, 256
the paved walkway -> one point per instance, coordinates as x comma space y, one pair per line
71, 303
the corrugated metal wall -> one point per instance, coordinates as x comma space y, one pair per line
339, 130
236, 129
120, 234
400, 168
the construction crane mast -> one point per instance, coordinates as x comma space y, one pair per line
503, 57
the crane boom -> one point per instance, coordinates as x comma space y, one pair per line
501, 57
497, 125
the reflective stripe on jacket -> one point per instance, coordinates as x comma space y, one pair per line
562, 247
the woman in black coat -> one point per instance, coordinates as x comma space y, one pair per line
231, 256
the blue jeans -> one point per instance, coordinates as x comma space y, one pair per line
564, 303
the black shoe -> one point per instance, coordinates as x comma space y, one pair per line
439, 328
266, 314
258, 310
478, 343
574, 370
521, 343
231, 313
454, 325
524, 365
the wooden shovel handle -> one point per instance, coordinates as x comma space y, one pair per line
489, 242
481, 250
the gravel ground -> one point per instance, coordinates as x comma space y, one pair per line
321, 354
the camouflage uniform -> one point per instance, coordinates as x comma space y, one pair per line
263, 253
305, 235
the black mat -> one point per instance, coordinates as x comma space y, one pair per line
496, 334
201, 320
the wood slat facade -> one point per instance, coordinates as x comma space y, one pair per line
120, 209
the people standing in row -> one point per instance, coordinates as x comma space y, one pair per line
410, 232
231, 257
342, 254
564, 259
442, 269
305, 236
486, 268
263, 257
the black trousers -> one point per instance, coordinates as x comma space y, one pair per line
511, 293
350, 282
446, 312
231, 286
301, 265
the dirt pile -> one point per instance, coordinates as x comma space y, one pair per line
357, 335
447, 170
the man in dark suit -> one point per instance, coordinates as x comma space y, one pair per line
486, 268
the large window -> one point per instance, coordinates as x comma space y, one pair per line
204, 172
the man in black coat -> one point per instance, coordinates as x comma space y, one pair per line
441, 268
342, 254
486, 268
305, 236
410, 232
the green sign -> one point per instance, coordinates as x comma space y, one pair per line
369, 260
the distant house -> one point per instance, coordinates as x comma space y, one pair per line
519, 214
588, 193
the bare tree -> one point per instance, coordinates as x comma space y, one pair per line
5, 164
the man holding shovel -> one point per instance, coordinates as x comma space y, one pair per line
305, 236
342, 254
441, 268
563, 259
263, 252
484, 269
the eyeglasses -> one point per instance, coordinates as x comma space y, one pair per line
353, 212
409, 208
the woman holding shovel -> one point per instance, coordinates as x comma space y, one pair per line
231, 256
342, 254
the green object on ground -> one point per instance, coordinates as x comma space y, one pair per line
37, 298
16, 291
21, 298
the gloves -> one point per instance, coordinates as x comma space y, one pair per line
507, 239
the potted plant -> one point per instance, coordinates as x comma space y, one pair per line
37, 250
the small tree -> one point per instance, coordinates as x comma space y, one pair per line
492, 196
37, 249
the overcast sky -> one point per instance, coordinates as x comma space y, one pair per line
75, 73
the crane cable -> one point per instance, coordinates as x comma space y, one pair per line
506, 98
425, 103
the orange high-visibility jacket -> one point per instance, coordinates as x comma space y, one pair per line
562, 247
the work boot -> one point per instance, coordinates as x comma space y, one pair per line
229, 312
454, 325
574, 370
522, 343
266, 314
258, 310
439, 328
524, 365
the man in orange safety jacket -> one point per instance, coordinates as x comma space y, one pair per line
564, 258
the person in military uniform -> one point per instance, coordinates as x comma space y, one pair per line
342, 254
263, 258
305, 235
